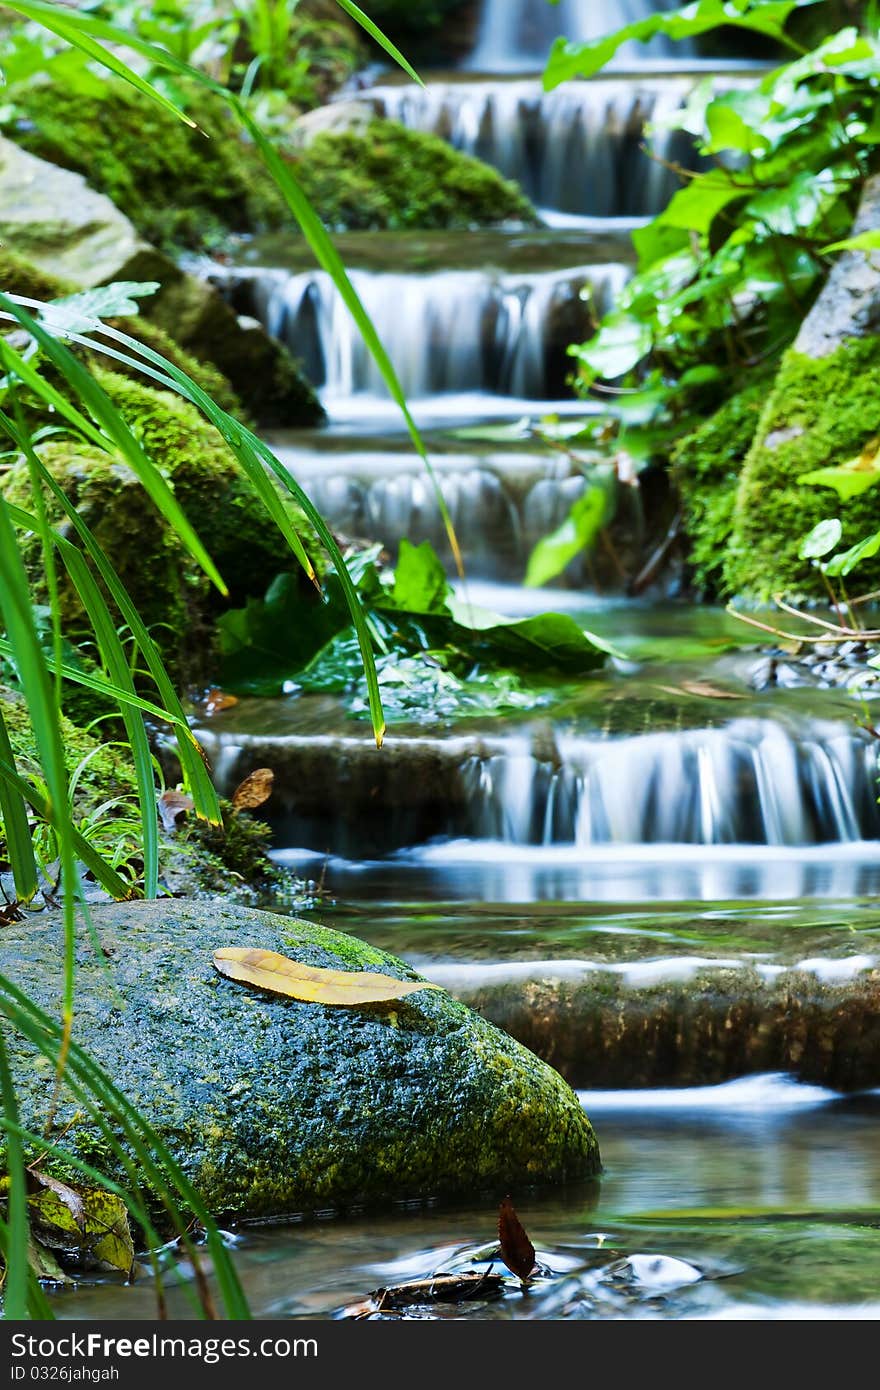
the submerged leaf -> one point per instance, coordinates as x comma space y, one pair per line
279, 975
517, 1251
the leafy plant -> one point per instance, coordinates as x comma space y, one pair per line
43, 378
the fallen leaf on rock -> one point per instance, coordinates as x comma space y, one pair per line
440, 1288
173, 805
254, 790
92, 1231
703, 689
270, 971
215, 699
517, 1251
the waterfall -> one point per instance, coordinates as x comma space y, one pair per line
451, 331
516, 35
751, 782
576, 149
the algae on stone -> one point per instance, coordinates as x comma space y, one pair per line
273, 1106
706, 468
171, 593
821, 412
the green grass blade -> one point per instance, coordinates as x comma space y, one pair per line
15, 823
65, 25
38, 1304
195, 774
255, 456
159, 1165
115, 662
376, 33
116, 431
15, 1289
69, 835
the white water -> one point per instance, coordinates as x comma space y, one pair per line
516, 35
750, 782
576, 150
446, 333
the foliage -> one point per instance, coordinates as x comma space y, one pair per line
438, 655
41, 376
727, 271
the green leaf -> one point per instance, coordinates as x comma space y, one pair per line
366, 23
824, 536
420, 583
13, 813
848, 479
76, 313
865, 241
847, 561
576, 534
620, 345
766, 17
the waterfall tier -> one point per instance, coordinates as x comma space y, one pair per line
447, 332
750, 782
576, 150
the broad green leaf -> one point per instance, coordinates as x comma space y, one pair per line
76, 313
280, 975
620, 345
846, 562
89, 1222
766, 17
865, 241
576, 535
420, 583
821, 540
695, 207
848, 479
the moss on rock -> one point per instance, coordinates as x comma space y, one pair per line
820, 413
171, 593
706, 468
142, 157
388, 177
275, 1106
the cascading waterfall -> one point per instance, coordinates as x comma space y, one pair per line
751, 782
452, 331
577, 149
515, 35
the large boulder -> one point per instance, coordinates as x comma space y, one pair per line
273, 1106
55, 221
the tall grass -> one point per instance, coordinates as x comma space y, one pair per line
50, 373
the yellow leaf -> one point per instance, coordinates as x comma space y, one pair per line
254, 790
280, 975
93, 1229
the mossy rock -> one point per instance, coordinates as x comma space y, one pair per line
172, 594
821, 412
143, 158
387, 177
274, 1106
706, 468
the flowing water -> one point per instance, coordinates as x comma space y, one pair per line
661, 878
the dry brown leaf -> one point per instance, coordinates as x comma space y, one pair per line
280, 975
704, 689
173, 805
215, 699
517, 1251
254, 790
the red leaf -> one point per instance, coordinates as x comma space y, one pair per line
517, 1251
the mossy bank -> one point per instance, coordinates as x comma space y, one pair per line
274, 1106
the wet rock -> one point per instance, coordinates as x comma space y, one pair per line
275, 1106
687, 1023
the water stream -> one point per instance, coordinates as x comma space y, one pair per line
662, 880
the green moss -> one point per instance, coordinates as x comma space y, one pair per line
18, 276
143, 158
819, 413
171, 593
390, 177
272, 1105
706, 470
